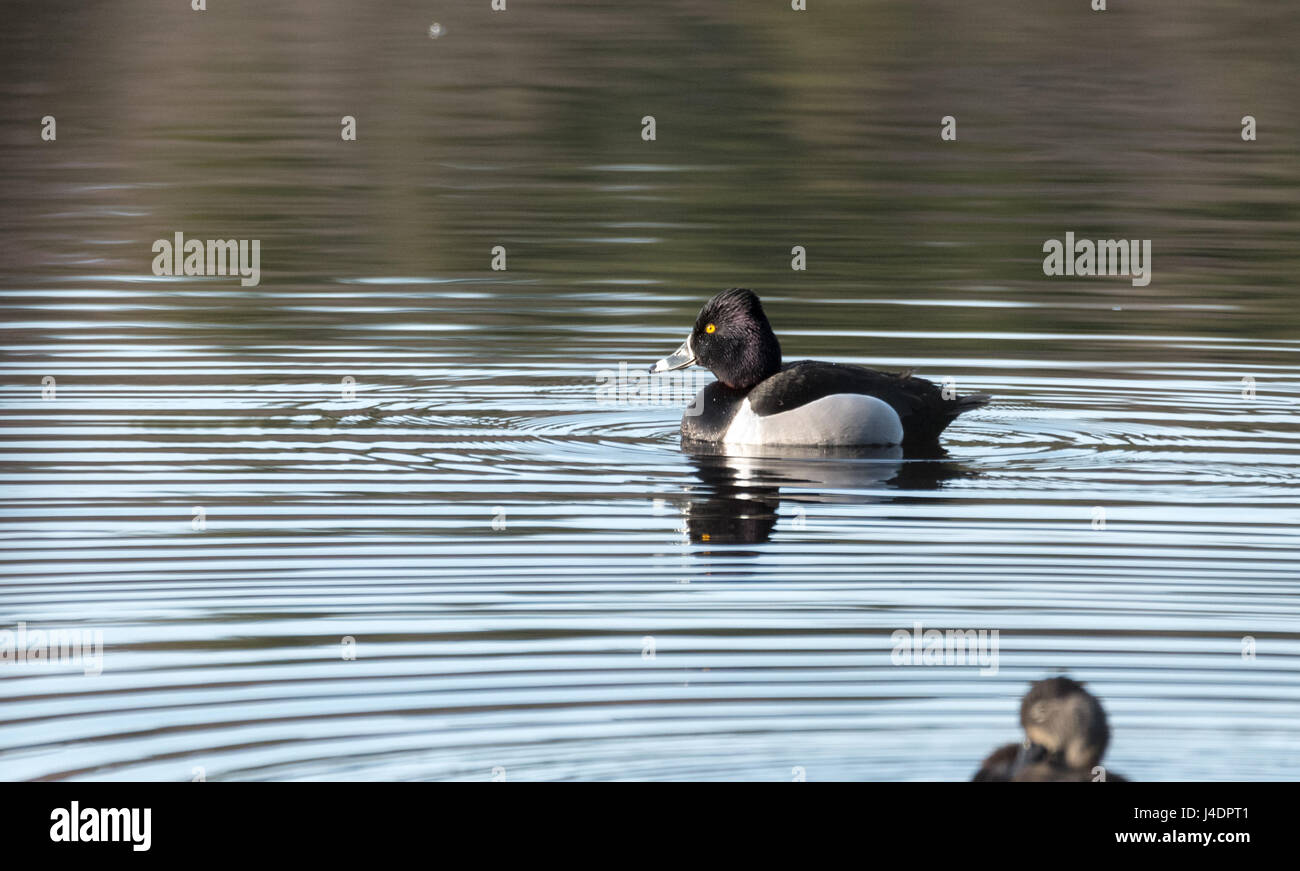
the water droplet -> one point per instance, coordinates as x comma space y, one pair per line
436, 30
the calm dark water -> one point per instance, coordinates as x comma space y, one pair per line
539, 582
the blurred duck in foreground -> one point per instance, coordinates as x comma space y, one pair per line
1065, 737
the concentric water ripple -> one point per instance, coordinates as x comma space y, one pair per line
372, 518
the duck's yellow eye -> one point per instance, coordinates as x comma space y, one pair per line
710, 328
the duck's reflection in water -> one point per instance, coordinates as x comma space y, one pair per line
739, 497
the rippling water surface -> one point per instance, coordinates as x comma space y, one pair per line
538, 581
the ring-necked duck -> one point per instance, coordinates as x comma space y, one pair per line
1065, 737
757, 401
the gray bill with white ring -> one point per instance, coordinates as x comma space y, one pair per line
680, 359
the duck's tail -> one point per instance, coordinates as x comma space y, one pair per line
970, 402
924, 427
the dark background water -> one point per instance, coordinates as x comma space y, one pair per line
520, 646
